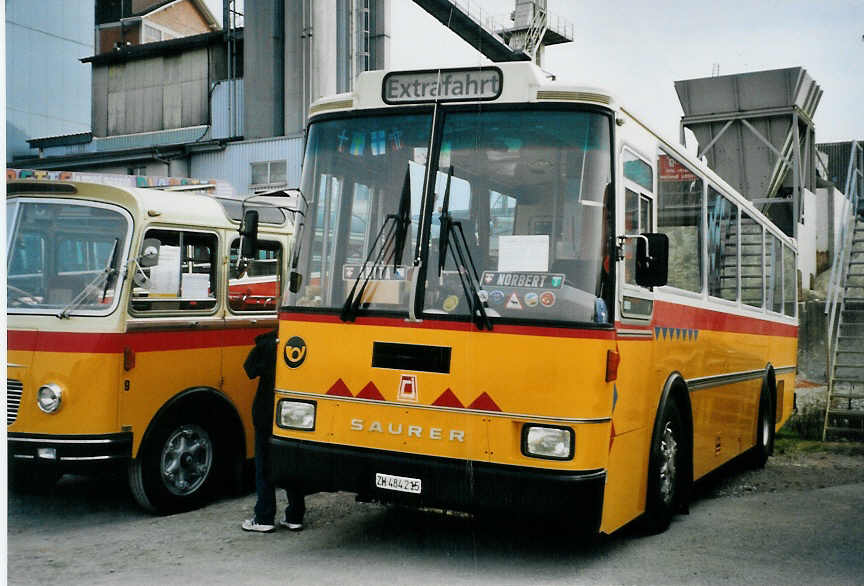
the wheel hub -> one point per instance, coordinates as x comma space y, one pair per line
668, 463
187, 458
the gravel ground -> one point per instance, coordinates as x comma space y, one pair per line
89, 531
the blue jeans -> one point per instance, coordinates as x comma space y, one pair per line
265, 506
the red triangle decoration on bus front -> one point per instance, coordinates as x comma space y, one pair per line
485, 403
339, 389
448, 399
370, 391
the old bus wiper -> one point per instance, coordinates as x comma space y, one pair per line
461, 253
396, 227
106, 274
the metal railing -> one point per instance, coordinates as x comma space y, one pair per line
497, 22
838, 266
840, 269
477, 13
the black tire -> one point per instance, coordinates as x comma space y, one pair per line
764, 432
665, 471
176, 467
32, 479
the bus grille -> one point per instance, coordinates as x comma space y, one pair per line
14, 389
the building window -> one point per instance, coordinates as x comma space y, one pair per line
150, 34
269, 174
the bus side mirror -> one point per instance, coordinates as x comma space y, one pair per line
149, 253
294, 281
652, 260
249, 234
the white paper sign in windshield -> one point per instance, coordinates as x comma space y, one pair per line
523, 253
442, 85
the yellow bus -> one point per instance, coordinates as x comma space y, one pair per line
129, 318
509, 293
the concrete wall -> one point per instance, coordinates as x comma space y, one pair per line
47, 88
320, 51
831, 206
807, 257
812, 359
263, 67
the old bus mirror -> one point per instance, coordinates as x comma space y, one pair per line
249, 234
149, 253
652, 260
294, 281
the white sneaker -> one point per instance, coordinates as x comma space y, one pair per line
291, 526
253, 525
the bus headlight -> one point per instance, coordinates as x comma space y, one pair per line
296, 415
554, 443
49, 397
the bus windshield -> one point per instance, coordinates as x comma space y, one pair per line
521, 199
63, 256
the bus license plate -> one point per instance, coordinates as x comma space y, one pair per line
400, 483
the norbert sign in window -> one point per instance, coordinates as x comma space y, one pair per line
470, 84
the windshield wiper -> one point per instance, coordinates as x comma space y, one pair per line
462, 258
396, 228
106, 274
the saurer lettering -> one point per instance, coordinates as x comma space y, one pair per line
435, 433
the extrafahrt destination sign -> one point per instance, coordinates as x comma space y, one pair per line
442, 85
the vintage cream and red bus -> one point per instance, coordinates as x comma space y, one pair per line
480, 316
129, 318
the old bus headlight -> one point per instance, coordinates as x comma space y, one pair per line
540, 441
296, 415
49, 397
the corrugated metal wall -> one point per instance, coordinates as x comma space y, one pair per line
227, 101
234, 164
838, 162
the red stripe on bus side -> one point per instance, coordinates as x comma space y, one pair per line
452, 325
684, 316
103, 343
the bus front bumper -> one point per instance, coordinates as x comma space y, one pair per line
68, 453
567, 496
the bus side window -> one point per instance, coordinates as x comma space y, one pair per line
679, 198
184, 279
257, 284
637, 219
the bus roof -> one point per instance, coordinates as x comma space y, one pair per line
519, 82
172, 207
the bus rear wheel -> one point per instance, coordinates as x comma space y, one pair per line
175, 468
665, 471
764, 433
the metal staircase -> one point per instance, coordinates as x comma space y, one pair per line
844, 413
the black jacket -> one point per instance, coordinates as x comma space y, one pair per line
261, 362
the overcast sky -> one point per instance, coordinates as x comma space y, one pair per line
637, 49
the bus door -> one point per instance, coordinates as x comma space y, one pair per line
637, 303
634, 331
175, 322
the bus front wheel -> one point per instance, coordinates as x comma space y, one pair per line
665, 470
175, 468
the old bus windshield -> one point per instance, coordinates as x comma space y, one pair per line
63, 256
528, 189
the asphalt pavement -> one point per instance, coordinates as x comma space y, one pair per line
88, 531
